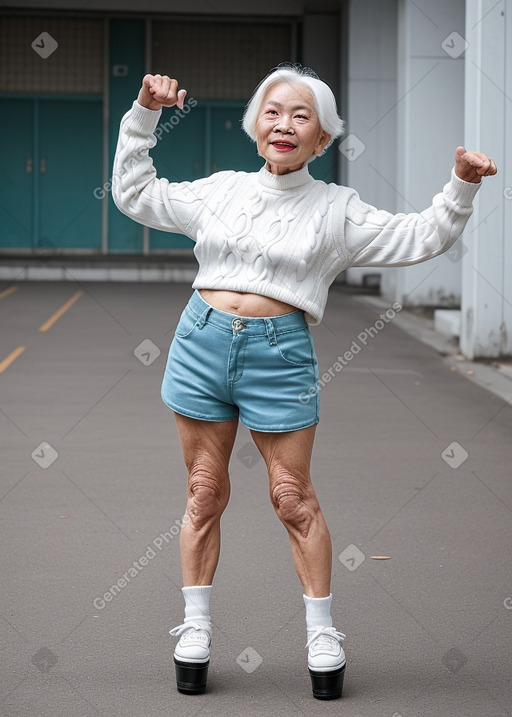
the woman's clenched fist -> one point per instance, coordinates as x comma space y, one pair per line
159, 91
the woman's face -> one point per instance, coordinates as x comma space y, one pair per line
288, 130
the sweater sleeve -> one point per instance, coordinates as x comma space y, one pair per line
139, 193
378, 238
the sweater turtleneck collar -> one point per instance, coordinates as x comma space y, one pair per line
284, 181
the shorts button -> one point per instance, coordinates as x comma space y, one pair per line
237, 324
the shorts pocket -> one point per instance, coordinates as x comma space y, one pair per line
296, 347
186, 324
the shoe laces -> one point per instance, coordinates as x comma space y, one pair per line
325, 635
186, 626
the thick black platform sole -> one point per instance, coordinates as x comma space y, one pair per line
327, 685
191, 677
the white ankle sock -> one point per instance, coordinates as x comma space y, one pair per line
197, 603
318, 613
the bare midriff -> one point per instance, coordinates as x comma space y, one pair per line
245, 304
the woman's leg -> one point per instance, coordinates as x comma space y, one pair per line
206, 447
288, 458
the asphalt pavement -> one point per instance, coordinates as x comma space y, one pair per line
412, 463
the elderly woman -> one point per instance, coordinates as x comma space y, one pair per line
269, 244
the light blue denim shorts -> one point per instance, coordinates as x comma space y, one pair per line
223, 367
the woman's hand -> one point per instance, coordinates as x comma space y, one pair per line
159, 91
472, 166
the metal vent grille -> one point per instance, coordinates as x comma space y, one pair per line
219, 61
51, 55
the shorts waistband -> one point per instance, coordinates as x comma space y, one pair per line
250, 325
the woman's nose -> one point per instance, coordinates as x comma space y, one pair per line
284, 126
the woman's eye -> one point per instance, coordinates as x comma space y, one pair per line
302, 117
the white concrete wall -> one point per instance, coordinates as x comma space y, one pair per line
430, 113
487, 266
371, 108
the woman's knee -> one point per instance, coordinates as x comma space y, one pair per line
294, 502
208, 495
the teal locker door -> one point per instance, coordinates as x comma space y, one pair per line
17, 152
231, 147
70, 168
179, 155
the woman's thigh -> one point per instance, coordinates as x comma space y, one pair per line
287, 455
206, 445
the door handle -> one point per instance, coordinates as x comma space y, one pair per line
29, 165
42, 165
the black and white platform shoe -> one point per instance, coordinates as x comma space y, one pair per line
326, 663
192, 656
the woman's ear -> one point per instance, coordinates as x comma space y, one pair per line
323, 141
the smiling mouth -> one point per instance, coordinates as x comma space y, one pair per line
283, 146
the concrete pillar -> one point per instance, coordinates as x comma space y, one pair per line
486, 321
430, 114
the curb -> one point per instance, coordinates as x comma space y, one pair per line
496, 378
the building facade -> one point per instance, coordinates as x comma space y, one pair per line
414, 80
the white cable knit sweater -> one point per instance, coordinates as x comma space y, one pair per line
283, 236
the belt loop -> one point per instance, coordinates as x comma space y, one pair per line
271, 332
203, 318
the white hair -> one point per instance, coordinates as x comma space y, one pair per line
325, 102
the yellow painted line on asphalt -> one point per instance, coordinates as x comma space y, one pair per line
56, 316
8, 291
12, 357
